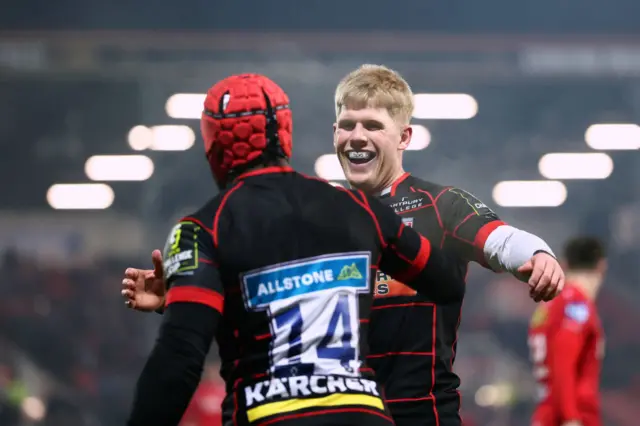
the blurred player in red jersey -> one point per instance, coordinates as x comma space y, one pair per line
567, 342
205, 407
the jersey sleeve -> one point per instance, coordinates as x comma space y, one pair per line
194, 304
411, 258
467, 223
190, 268
566, 340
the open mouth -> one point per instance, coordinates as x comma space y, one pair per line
360, 157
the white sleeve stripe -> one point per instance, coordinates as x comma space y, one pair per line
507, 248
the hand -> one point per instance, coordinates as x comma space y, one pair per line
546, 277
143, 289
572, 423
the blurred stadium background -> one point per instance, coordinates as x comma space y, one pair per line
533, 106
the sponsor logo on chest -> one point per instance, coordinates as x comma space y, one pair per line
406, 204
388, 287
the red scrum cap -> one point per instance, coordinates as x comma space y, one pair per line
246, 120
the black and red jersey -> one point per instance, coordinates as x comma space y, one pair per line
412, 337
281, 267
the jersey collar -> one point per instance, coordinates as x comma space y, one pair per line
576, 287
266, 171
390, 191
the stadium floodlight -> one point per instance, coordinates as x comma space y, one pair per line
140, 138
613, 136
161, 138
328, 167
80, 196
185, 105
591, 165
444, 106
532, 193
118, 167
420, 139
172, 138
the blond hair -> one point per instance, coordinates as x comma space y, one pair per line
376, 86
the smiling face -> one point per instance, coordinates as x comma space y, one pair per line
369, 144
373, 105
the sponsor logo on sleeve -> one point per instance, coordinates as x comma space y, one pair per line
181, 250
578, 312
480, 208
539, 316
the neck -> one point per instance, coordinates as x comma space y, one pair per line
588, 282
278, 162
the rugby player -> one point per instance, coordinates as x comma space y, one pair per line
373, 106
567, 342
279, 268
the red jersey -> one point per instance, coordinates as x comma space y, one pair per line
567, 345
205, 406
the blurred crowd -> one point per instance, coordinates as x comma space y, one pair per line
70, 352
72, 324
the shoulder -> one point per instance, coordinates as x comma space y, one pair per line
455, 193
206, 214
455, 201
332, 190
432, 189
446, 194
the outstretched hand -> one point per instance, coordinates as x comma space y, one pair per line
143, 289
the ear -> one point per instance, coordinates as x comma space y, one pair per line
335, 139
405, 138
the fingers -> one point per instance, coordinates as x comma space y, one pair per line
156, 258
129, 284
536, 273
539, 278
526, 268
556, 285
547, 279
132, 273
128, 294
544, 282
551, 290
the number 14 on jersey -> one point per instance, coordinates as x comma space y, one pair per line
330, 326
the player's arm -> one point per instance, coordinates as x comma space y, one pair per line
475, 233
411, 258
194, 303
565, 346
